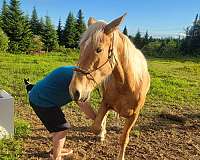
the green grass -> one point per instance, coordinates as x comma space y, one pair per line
22, 128
174, 84
11, 148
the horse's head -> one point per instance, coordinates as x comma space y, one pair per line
96, 59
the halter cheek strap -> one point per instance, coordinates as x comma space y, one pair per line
87, 72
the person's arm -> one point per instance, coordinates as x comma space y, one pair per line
87, 109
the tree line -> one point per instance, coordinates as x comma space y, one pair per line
169, 47
21, 33
156, 47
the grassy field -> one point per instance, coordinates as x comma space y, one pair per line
175, 87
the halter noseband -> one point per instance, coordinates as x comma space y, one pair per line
87, 72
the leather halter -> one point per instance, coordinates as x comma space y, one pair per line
88, 72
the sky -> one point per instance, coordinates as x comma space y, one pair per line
161, 18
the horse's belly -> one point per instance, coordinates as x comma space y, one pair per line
123, 109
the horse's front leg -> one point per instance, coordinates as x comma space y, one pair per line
124, 138
99, 125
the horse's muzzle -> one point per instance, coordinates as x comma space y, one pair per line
77, 96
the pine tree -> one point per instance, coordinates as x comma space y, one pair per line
191, 44
17, 28
146, 38
70, 32
49, 35
151, 39
41, 26
34, 22
138, 40
196, 19
60, 32
80, 26
4, 15
125, 31
3, 41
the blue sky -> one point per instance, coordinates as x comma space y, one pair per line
160, 17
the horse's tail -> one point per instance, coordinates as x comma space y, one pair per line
28, 85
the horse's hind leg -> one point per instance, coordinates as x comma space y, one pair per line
99, 125
124, 138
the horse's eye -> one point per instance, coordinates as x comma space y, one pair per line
98, 50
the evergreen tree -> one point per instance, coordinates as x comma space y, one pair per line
151, 39
146, 38
3, 16
125, 31
60, 33
49, 35
138, 40
196, 19
34, 22
41, 26
3, 41
17, 28
191, 44
80, 26
70, 32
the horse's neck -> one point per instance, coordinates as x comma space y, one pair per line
123, 73
123, 78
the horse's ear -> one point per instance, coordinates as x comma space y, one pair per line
91, 21
109, 28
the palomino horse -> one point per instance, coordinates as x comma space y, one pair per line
109, 58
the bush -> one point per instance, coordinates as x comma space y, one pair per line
164, 48
3, 41
152, 48
169, 49
36, 44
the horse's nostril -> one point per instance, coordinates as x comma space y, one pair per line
76, 95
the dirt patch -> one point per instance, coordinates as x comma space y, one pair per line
165, 136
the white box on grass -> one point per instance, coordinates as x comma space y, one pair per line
6, 114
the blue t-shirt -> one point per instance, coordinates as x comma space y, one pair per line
53, 90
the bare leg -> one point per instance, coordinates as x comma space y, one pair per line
124, 138
87, 109
58, 143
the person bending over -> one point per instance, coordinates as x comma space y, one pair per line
47, 97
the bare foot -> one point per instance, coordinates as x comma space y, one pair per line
64, 152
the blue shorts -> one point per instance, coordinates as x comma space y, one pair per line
52, 117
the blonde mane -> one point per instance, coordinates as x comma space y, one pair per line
134, 59
93, 34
